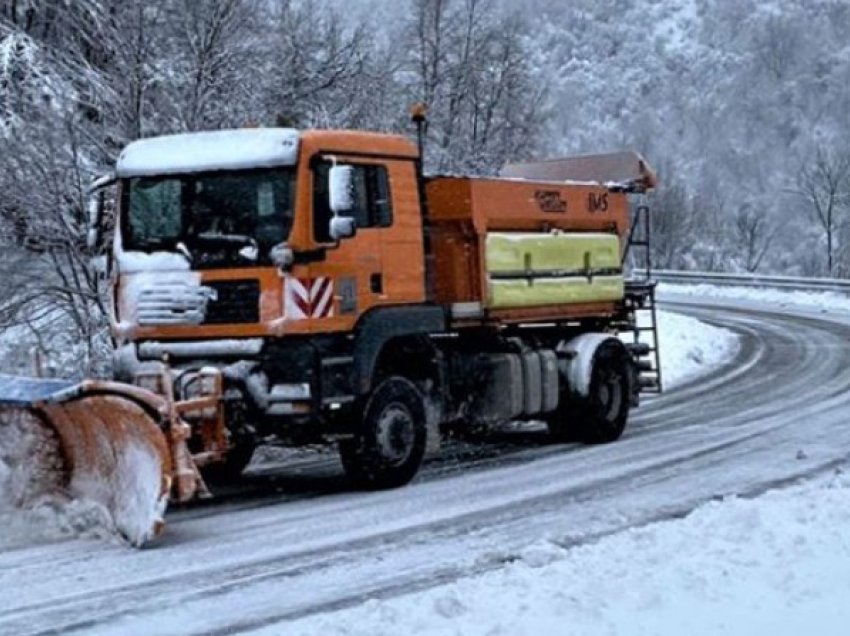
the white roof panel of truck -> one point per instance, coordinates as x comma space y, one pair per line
240, 149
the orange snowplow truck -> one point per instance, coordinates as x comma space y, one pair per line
314, 286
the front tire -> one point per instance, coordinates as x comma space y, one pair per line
230, 470
388, 448
243, 443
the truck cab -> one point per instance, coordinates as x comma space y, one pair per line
245, 216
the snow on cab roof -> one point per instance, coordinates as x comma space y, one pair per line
207, 151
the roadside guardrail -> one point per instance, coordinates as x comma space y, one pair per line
792, 283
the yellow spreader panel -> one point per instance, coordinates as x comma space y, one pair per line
562, 252
553, 291
535, 269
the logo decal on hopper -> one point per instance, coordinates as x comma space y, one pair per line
309, 298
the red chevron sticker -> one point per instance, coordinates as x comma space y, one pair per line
308, 298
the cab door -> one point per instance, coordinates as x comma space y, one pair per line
382, 264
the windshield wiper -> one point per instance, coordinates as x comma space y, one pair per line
184, 251
250, 250
215, 237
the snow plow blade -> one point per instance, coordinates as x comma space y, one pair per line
102, 442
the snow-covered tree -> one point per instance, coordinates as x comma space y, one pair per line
824, 186
471, 64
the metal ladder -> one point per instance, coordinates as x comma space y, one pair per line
640, 302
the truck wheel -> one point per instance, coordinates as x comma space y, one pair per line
243, 442
388, 449
600, 417
230, 470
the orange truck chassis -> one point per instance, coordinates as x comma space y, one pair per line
315, 286
338, 294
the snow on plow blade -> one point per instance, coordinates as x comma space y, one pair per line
96, 441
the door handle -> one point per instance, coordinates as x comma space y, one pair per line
376, 283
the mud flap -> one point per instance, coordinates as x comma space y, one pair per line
97, 441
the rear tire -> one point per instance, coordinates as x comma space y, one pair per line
387, 450
601, 416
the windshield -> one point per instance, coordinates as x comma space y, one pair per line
217, 219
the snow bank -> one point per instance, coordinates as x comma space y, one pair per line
778, 565
52, 520
823, 301
690, 348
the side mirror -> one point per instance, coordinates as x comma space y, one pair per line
282, 256
94, 235
342, 227
341, 189
99, 266
99, 213
98, 226
250, 252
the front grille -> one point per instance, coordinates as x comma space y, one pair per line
234, 302
171, 302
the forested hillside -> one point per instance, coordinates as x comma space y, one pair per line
743, 107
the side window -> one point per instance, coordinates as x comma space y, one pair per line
380, 202
373, 200
321, 203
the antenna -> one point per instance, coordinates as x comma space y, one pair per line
419, 116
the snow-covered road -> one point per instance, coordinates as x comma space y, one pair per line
778, 412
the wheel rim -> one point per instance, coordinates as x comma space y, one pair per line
395, 433
609, 395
